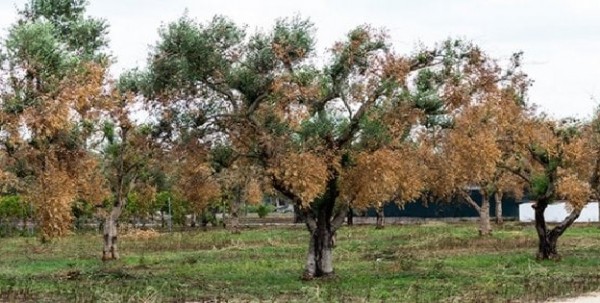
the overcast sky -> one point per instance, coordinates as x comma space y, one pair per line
561, 39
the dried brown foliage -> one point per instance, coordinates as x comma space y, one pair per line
253, 193
52, 194
573, 189
56, 167
488, 126
380, 176
305, 175
197, 185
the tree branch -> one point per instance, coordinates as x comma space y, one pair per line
355, 121
568, 221
469, 200
310, 220
346, 105
339, 218
518, 172
223, 92
254, 105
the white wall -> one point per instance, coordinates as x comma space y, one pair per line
557, 212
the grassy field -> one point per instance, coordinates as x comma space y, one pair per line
417, 263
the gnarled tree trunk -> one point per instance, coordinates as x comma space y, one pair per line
234, 218
548, 239
319, 259
110, 251
380, 217
322, 224
485, 228
498, 200
319, 262
350, 217
193, 219
298, 216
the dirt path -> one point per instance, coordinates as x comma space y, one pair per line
589, 298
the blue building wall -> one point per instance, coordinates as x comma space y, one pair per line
448, 209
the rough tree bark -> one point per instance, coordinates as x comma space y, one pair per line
123, 182
298, 216
110, 251
193, 219
548, 239
322, 224
322, 228
350, 217
485, 228
234, 219
380, 217
498, 200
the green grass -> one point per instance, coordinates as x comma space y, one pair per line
417, 263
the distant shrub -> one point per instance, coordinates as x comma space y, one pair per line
264, 210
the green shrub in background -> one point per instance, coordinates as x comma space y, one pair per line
263, 210
13, 210
11, 207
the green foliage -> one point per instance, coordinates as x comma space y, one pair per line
189, 52
320, 127
138, 207
82, 210
249, 81
273, 123
426, 98
374, 133
109, 132
539, 185
12, 206
209, 218
263, 210
35, 45
49, 42
222, 157
178, 207
134, 81
81, 34
294, 37
354, 54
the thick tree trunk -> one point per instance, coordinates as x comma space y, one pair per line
350, 219
110, 251
546, 245
319, 259
234, 220
498, 200
298, 217
548, 239
193, 220
547, 248
319, 262
485, 228
204, 221
322, 223
380, 218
